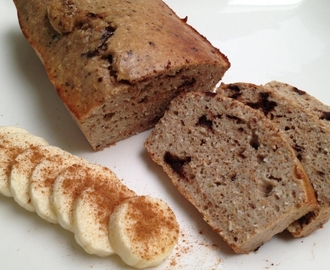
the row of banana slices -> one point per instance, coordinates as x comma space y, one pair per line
88, 199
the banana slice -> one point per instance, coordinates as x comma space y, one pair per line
42, 179
12, 144
91, 215
21, 172
70, 184
143, 231
11, 129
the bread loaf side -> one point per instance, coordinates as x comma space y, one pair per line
117, 64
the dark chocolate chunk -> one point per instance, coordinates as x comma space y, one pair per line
176, 163
325, 116
234, 88
236, 91
298, 149
254, 141
210, 94
299, 92
306, 219
275, 178
204, 122
107, 33
263, 104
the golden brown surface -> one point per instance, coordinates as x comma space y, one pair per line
113, 60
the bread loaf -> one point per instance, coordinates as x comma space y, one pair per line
233, 165
117, 64
307, 135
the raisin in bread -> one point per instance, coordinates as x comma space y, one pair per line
321, 110
307, 135
233, 165
117, 64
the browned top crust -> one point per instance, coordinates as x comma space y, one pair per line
122, 42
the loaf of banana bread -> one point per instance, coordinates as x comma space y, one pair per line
117, 64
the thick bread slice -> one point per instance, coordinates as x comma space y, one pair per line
70, 183
42, 179
117, 64
11, 145
307, 135
21, 172
233, 165
143, 231
92, 210
321, 110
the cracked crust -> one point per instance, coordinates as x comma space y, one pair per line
117, 64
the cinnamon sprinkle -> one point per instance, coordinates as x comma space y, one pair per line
151, 222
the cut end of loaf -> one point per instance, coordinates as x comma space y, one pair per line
141, 105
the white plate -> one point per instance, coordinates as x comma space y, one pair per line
287, 40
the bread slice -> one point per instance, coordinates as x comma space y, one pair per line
307, 135
117, 64
321, 110
233, 165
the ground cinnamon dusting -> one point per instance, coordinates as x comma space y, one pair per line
77, 179
37, 155
49, 173
34, 158
189, 245
11, 153
151, 222
106, 195
147, 224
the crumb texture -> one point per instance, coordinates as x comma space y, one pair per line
233, 165
299, 118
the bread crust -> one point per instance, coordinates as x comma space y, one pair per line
310, 103
117, 64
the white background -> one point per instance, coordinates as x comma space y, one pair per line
287, 41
